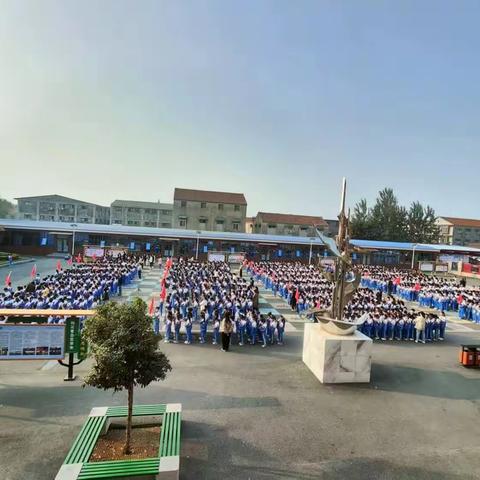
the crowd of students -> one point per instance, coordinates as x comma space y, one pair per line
385, 317
83, 286
430, 291
205, 294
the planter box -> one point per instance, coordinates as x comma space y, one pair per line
165, 466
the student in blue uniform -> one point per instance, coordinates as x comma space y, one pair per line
168, 326
203, 327
176, 325
280, 329
188, 328
216, 330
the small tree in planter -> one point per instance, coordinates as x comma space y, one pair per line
124, 347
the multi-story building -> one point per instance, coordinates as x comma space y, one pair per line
285, 224
204, 210
458, 231
141, 214
58, 208
332, 229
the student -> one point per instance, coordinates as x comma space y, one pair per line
168, 327
262, 327
203, 327
188, 328
216, 330
177, 324
242, 326
280, 329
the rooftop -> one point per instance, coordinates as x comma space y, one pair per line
462, 222
208, 196
139, 204
57, 198
292, 219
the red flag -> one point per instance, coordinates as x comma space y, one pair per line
297, 295
70, 261
397, 281
460, 298
94, 256
33, 273
163, 293
151, 308
8, 279
59, 265
417, 287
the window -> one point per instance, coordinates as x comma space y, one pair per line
166, 212
219, 225
166, 225
183, 203
220, 206
235, 226
203, 205
182, 221
236, 208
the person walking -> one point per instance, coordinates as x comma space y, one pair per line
226, 329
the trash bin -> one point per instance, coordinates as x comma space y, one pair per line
470, 355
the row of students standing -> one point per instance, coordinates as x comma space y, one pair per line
379, 327
247, 329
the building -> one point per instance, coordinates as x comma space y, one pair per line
141, 214
458, 231
31, 237
249, 224
205, 210
285, 224
57, 208
332, 230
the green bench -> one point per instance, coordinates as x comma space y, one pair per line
163, 467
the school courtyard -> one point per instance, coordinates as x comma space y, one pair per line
258, 413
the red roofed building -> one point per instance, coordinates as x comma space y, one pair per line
286, 224
458, 231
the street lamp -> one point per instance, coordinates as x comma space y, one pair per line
198, 241
310, 254
73, 225
413, 255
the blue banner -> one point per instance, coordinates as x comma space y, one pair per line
147, 247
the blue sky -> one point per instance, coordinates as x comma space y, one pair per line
276, 99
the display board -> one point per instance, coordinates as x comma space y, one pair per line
216, 257
31, 342
426, 266
90, 252
236, 258
441, 267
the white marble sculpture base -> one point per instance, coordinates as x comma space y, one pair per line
337, 358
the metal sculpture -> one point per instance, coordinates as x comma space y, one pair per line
345, 277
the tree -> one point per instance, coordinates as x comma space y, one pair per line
124, 347
7, 209
361, 221
422, 226
388, 219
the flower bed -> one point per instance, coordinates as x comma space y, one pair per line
164, 466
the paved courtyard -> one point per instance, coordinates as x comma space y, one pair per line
259, 413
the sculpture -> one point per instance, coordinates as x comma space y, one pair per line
345, 277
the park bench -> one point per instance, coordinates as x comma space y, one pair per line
163, 467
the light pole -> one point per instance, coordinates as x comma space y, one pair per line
73, 225
198, 241
413, 255
310, 254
